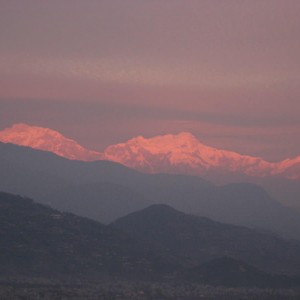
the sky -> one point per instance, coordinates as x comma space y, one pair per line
102, 72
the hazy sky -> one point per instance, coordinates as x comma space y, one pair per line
104, 71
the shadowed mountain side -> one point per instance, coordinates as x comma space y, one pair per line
181, 153
249, 205
21, 179
75, 171
85, 172
195, 240
39, 241
284, 190
39, 174
228, 271
98, 201
241, 203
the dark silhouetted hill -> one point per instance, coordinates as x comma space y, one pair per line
90, 188
101, 201
39, 241
195, 240
231, 272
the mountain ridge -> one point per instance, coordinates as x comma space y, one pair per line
85, 188
48, 140
40, 242
181, 153
196, 240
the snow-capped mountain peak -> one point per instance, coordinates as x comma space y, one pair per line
47, 139
180, 153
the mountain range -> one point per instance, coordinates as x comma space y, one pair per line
104, 219
196, 240
105, 190
177, 154
47, 140
40, 241
172, 154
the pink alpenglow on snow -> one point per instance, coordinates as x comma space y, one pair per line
181, 153
48, 140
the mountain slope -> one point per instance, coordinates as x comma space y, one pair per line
227, 271
195, 240
46, 177
248, 205
181, 153
39, 241
102, 201
47, 140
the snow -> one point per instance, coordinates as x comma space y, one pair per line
169, 153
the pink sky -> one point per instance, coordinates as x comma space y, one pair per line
104, 71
